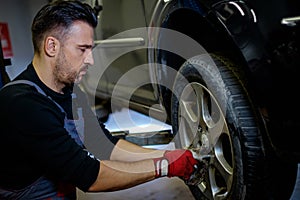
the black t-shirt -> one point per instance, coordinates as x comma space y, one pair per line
34, 143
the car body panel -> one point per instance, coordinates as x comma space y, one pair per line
251, 33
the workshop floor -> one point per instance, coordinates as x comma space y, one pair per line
160, 189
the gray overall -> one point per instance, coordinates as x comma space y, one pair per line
44, 188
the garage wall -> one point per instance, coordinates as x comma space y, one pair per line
19, 14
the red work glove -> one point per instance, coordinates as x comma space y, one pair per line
178, 163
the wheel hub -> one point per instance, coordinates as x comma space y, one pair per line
205, 147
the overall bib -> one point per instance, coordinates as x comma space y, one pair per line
44, 188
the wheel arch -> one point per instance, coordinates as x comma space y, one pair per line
207, 29
239, 40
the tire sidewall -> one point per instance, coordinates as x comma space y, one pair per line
203, 70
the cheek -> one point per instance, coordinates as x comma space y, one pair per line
74, 63
77, 59
74, 59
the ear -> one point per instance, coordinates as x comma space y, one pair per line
51, 46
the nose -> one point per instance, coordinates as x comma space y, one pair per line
89, 58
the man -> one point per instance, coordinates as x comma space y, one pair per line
42, 148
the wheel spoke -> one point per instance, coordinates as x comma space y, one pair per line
220, 177
189, 117
190, 105
215, 131
188, 113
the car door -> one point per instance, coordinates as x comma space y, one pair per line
121, 70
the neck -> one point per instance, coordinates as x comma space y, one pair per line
44, 70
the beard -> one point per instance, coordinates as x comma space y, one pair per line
63, 72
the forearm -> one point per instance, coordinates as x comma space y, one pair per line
127, 151
115, 175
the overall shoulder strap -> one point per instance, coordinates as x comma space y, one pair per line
36, 87
28, 83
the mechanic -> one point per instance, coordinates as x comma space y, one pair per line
43, 117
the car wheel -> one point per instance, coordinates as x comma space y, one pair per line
213, 116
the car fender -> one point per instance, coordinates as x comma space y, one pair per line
225, 27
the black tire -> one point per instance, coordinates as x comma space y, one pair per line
213, 116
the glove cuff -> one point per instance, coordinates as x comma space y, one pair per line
161, 167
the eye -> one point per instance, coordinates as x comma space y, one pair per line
82, 49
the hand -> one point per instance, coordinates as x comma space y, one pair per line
175, 163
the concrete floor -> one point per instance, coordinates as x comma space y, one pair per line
159, 189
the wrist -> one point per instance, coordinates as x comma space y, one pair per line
161, 166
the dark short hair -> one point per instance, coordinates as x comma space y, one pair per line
57, 17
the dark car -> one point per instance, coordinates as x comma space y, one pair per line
224, 74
